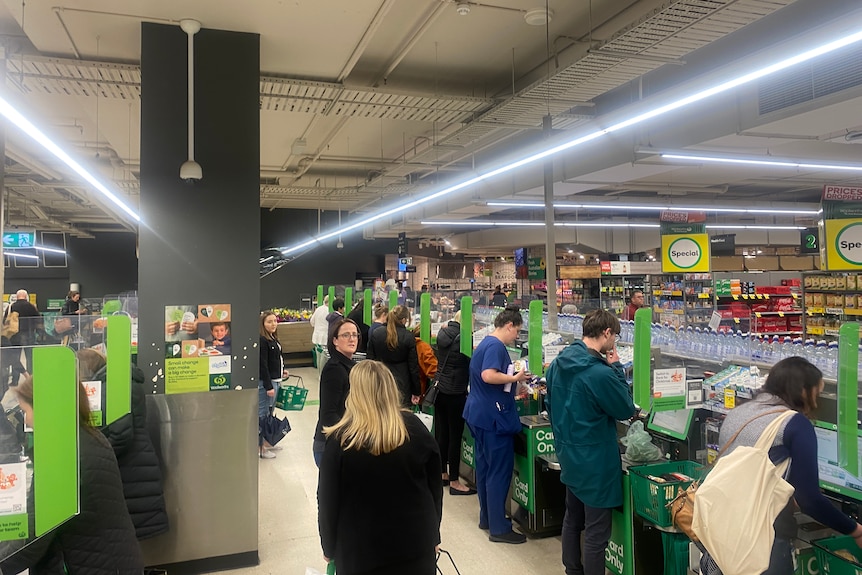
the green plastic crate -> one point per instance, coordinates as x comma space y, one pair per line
832, 564
650, 497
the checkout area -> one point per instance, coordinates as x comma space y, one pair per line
643, 539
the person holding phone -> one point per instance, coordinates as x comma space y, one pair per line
587, 394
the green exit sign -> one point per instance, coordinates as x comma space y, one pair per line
19, 239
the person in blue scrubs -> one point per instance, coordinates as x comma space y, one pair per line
493, 419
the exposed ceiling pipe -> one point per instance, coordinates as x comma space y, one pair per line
57, 13
20, 156
191, 170
366, 39
414, 39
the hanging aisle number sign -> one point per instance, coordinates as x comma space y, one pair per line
684, 242
842, 227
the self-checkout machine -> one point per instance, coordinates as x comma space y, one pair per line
538, 496
836, 426
41, 489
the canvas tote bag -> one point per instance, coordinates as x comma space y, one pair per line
738, 502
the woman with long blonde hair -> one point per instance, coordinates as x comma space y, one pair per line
378, 442
396, 348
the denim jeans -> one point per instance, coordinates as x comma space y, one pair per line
595, 523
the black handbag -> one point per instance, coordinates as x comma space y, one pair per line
273, 429
431, 393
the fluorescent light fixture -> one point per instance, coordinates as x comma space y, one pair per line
14, 116
571, 251
575, 142
17, 255
52, 250
772, 163
751, 227
506, 224
611, 206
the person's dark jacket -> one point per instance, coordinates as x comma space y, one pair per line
70, 307
357, 316
333, 318
100, 540
28, 320
138, 462
453, 367
402, 361
270, 361
406, 521
334, 387
499, 299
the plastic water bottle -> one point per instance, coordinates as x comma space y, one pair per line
832, 359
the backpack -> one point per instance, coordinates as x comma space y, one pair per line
737, 503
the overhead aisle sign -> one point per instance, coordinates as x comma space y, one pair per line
842, 227
684, 242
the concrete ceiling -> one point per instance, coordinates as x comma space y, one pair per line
398, 97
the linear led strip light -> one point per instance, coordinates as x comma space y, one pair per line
777, 163
506, 224
638, 119
14, 116
40, 248
728, 210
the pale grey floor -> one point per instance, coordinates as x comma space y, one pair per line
288, 540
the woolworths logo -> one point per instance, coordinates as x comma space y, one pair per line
684, 253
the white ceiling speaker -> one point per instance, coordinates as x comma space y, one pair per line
538, 16
191, 171
463, 8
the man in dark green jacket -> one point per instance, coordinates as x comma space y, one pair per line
587, 394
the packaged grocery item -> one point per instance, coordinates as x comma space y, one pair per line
841, 282
807, 282
830, 282
850, 301
851, 282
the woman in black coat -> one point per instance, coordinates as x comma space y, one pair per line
271, 373
334, 381
453, 376
136, 456
100, 539
379, 443
396, 348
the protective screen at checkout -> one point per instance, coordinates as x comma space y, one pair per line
827, 463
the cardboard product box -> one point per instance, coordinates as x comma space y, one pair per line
840, 282
830, 282
850, 301
760, 306
807, 299
808, 280
818, 299
851, 282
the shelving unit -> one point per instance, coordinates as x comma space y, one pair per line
683, 299
830, 299
615, 291
758, 302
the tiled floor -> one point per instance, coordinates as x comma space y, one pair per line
288, 539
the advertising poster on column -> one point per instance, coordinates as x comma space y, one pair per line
13, 501
197, 348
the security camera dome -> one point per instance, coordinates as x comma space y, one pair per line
463, 8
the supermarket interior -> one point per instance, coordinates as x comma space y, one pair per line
690, 166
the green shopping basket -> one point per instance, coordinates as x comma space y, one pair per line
291, 397
831, 563
651, 497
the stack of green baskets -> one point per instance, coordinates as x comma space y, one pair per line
833, 564
651, 497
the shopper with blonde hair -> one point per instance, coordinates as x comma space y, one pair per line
377, 442
396, 348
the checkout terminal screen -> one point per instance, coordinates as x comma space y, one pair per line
674, 423
832, 477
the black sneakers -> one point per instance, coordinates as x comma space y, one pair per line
512, 537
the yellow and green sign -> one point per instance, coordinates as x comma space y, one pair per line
842, 227
684, 242
683, 253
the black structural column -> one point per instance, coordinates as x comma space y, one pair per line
200, 244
